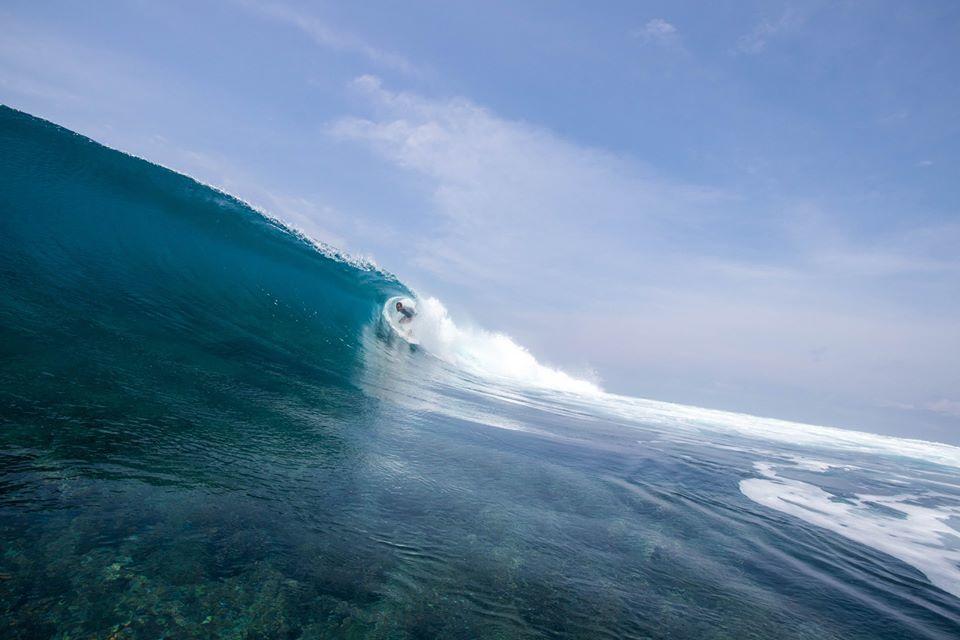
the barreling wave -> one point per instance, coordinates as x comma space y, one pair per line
110, 254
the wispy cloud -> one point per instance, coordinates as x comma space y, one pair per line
824, 247
766, 30
657, 31
942, 406
894, 117
534, 198
945, 407
328, 36
512, 200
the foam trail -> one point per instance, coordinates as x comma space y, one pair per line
903, 527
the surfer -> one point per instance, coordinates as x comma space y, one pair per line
405, 312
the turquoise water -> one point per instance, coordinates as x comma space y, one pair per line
209, 431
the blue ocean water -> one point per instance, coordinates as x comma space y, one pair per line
209, 430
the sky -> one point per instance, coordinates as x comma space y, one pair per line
750, 206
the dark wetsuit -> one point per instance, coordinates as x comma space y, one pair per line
407, 314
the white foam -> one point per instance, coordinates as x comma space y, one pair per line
794, 434
488, 354
918, 535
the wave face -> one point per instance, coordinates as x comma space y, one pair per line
209, 430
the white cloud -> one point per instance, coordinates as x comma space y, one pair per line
945, 407
328, 36
894, 117
513, 204
658, 31
756, 41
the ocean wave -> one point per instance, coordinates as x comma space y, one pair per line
176, 361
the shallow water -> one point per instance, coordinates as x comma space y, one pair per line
207, 431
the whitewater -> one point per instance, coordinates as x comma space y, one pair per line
209, 430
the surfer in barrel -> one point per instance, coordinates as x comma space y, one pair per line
406, 313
